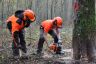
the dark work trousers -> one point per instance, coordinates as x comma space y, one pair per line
42, 39
18, 42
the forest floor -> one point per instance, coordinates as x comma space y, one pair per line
31, 39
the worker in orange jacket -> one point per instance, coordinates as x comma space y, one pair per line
48, 26
16, 24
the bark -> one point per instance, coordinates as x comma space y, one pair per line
84, 33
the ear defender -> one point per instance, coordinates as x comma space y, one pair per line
59, 21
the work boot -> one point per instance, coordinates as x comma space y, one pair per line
15, 52
39, 54
39, 51
24, 55
24, 49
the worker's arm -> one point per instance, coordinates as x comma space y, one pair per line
58, 31
9, 26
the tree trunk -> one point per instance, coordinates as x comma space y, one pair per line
84, 33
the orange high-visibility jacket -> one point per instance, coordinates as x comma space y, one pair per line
15, 25
48, 25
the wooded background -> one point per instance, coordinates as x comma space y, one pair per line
82, 37
44, 9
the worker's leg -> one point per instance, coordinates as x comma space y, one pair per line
15, 44
53, 34
41, 41
22, 41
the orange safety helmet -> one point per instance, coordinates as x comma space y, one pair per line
58, 21
30, 14
53, 47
